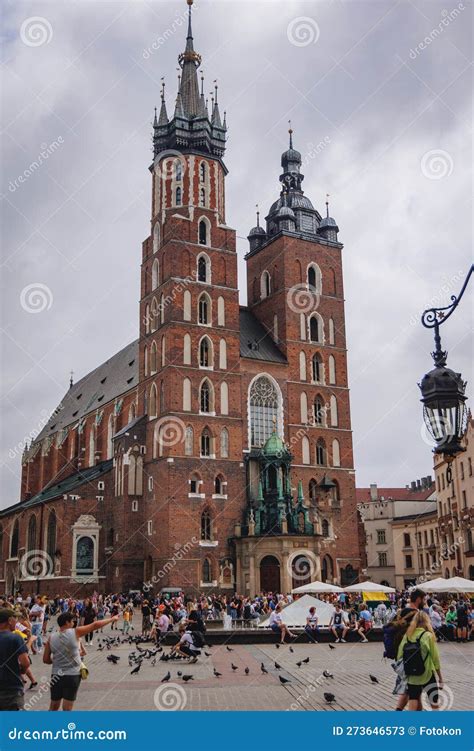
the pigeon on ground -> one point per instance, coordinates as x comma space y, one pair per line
218, 675
247, 671
234, 667
187, 678
291, 649
373, 678
277, 666
208, 654
229, 649
153, 662
283, 680
277, 646
179, 674
113, 658
263, 668
135, 670
166, 678
329, 698
306, 660
331, 646
327, 674
299, 664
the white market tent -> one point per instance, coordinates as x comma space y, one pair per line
316, 587
429, 584
296, 613
369, 587
454, 584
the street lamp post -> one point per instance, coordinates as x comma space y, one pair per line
442, 390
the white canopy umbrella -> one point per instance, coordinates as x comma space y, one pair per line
318, 587
454, 584
297, 612
369, 587
431, 585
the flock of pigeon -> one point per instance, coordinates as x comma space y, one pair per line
136, 658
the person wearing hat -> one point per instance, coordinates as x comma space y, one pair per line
14, 661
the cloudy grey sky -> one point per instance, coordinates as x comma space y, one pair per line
379, 96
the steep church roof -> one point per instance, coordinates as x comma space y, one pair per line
255, 341
114, 377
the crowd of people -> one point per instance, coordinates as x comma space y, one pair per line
61, 628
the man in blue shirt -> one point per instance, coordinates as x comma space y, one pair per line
14, 660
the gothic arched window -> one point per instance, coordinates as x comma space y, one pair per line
325, 528
317, 368
204, 310
202, 172
314, 278
51, 536
321, 453
178, 170
265, 409
203, 268
179, 194
205, 443
205, 353
206, 401
206, 571
202, 197
31, 542
155, 274
319, 411
265, 285
206, 526
14, 541
203, 233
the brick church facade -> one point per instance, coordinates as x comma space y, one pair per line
214, 453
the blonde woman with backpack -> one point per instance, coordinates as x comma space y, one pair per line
419, 652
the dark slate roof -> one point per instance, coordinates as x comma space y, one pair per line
83, 476
114, 377
252, 333
129, 427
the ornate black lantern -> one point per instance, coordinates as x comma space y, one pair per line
444, 410
443, 390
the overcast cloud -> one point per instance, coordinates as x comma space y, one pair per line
393, 124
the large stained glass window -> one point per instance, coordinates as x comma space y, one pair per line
264, 410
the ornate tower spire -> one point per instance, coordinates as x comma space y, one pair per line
190, 61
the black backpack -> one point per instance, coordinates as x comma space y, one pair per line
198, 639
413, 661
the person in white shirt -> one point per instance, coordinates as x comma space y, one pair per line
186, 647
37, 618
277, 625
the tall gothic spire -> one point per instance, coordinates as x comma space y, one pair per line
190, 61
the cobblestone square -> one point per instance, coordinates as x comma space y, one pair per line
111, 687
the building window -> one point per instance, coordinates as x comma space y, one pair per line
134, 505
205, 353
317, 368
156, 237
462, 470
51, 536
265, 410
155, 274
206, 526
224, 443
178, 170
206, 571
205, 443
382, 559
219, 485
204, 310
314, 278
202, 172
202, 197
406, 540
14, 541
469, 464
408, 561
203, 269
381, 537
206, 401
203, 233
325, 528
316, 329
150, 528
31, 540
321, 453
179, 195
464, 499
318, 411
